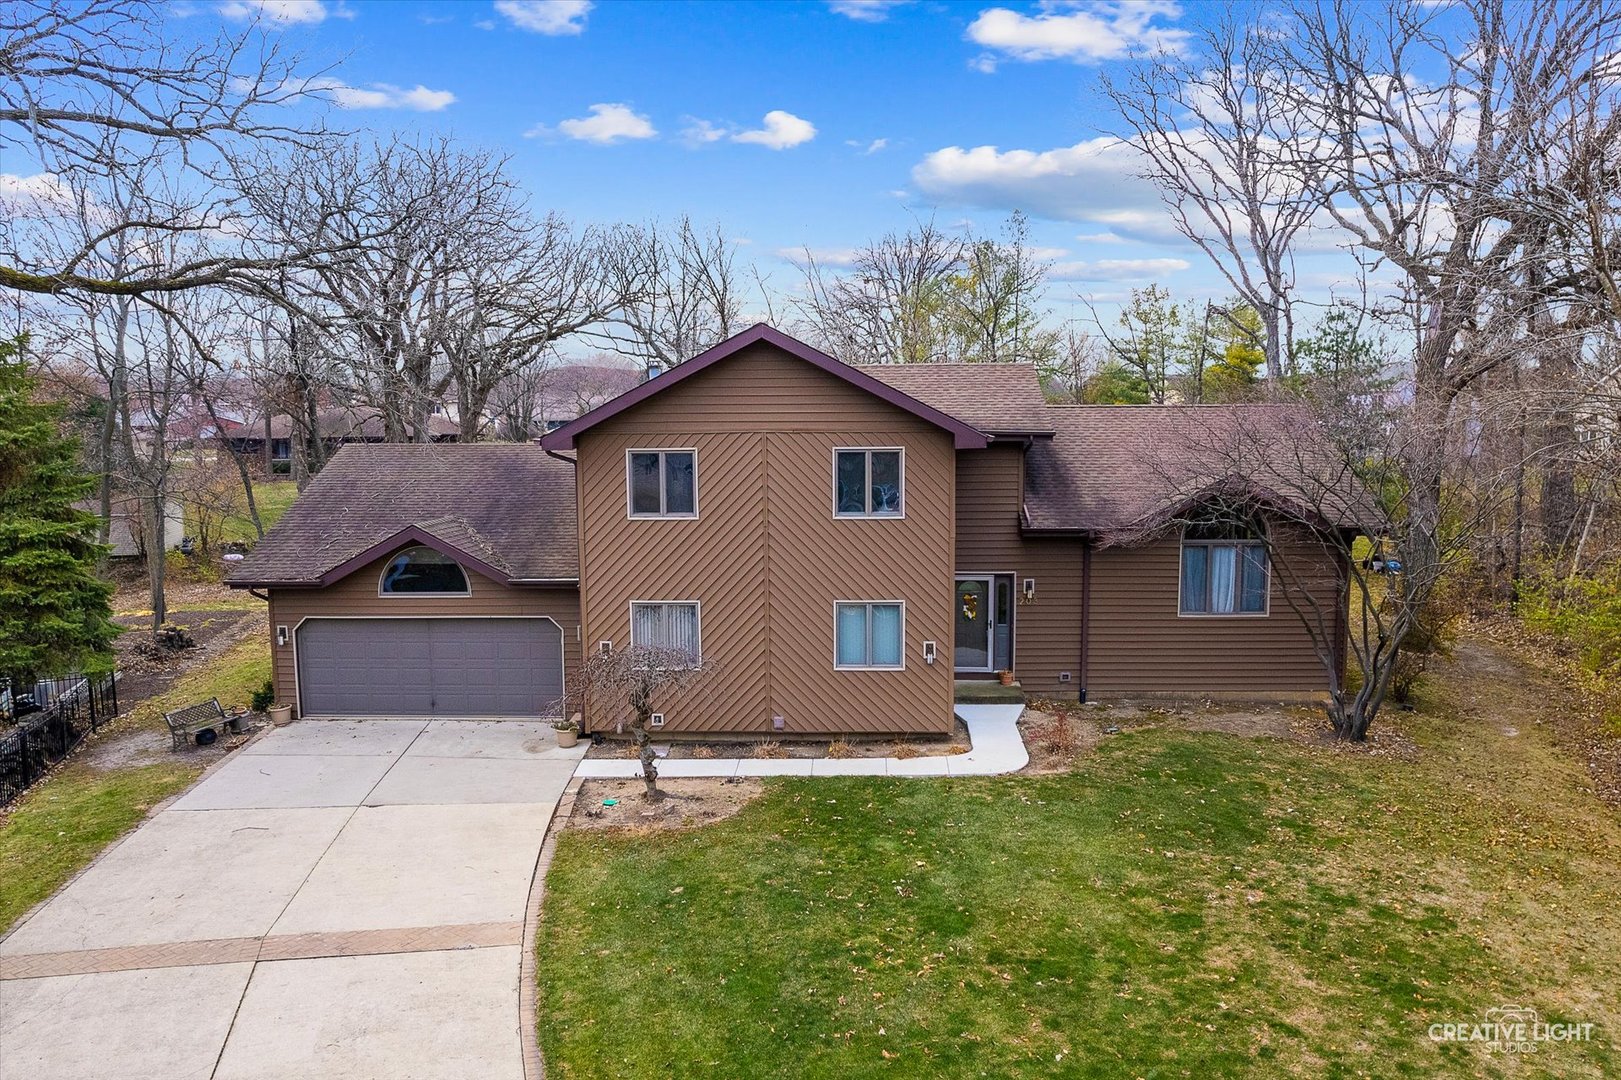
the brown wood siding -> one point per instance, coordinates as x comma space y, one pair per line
765, 558
357, 595
1141, 645
1047, 630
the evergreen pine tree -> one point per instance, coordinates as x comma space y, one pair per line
55, 610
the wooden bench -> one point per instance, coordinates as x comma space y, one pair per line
186, 724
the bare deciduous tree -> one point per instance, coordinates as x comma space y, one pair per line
629, 683
1223, 141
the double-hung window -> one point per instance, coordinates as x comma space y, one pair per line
869, 483
868, 635
1223, 574
666, 625
662, 483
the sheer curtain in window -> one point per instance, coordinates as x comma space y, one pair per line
666, 626
1223, 578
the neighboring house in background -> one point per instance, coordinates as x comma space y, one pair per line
338, 426
843, 543
530, 403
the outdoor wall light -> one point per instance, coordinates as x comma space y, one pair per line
281, 635
1029, 590
929, 652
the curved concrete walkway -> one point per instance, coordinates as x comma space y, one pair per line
993, 730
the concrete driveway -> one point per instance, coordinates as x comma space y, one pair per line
340, 899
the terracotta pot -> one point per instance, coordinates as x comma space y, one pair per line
281, 715
1006, 677
567, 738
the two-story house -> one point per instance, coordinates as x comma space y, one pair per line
840, 545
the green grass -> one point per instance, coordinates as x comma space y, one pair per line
273, 497
66, 820
1182, 904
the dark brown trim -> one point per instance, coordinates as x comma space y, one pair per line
964, 436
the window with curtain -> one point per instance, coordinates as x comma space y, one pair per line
662, 483
422, 571
867, 635
1223, 573
666, 626
868, 483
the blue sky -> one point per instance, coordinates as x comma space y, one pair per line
822, 123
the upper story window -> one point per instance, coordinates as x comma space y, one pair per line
422, 571
662, 483
1224, 572
869, 483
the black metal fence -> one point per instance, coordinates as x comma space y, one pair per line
72, 707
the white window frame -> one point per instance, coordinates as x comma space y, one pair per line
382, 575
869, 605
867, 485
1266, 606
698, 621
661, 451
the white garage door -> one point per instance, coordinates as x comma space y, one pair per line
430, 667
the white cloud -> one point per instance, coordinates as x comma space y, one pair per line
1100, 238
780, 131
609, 123
286, 12
380, 96
698, 132
875, 146
25, 196
1107, 30
484, 24
554, 17
1117, 269
835, 258
865, 10
1094, 181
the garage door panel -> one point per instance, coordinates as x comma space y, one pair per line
429, 667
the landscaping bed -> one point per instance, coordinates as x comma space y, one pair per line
855, 746
687, 803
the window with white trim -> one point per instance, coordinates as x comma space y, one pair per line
868, 635
1224, 572
666, 625
662, 483
868, 483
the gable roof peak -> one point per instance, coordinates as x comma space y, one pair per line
963, 435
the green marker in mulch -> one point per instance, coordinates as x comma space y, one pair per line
610, 802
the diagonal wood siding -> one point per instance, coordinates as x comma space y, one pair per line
765, 558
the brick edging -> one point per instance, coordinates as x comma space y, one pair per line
534, 1066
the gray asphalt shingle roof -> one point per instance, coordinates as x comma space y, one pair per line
509, 504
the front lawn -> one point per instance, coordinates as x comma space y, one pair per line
65, 820
1183, 904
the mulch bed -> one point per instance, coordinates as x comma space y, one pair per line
687, 803
855, 746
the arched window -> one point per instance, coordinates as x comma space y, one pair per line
1224, 570
422, 571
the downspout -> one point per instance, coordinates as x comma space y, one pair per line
1086, 613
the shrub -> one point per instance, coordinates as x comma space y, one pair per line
264, 697
1585, 611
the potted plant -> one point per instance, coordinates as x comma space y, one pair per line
568, 732
1006, 677
281, 715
